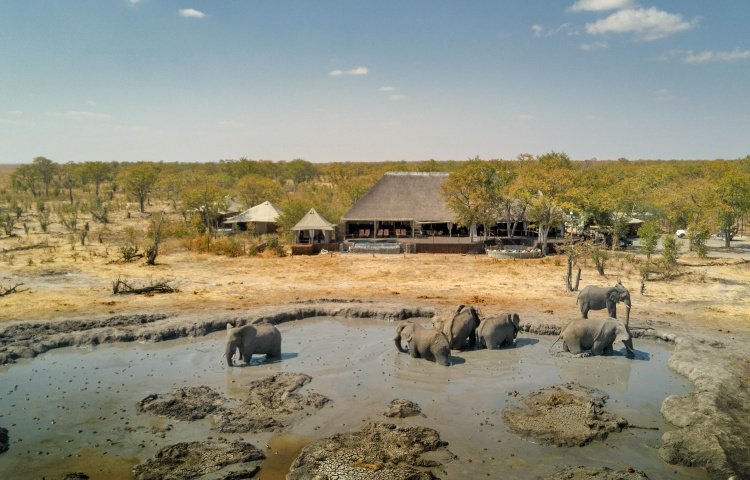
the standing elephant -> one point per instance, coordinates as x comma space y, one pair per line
595, 335
597, 298
495, 332
423, 343
263, 338
461, 329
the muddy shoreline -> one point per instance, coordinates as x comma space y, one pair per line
713, 418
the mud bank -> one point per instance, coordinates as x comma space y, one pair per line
29, 339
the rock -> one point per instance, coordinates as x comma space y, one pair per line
597, 473
194, 459
4, 440
186, 403
565, 415
272, 404
402, 408
378, 451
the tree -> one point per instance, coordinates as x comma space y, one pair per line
733, 195
649, 233
254, 189
70, 178
139, 179
548, 182
26, 178
473, 193
46, 170
96, 172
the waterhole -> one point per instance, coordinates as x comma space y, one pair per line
74, 409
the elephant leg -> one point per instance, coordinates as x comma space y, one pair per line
574, 348
608, 350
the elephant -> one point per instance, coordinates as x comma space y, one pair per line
495, 332
423, 343
461, 328
262, 338
595, 335
597, 298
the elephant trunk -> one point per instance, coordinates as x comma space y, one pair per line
398, 344
230, 352
629, 345
627, 313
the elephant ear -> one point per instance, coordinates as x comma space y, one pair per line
613, 296
475, 316
516, 323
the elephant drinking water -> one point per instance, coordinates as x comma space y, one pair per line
596, 335
263, 338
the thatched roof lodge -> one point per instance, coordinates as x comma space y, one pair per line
262, 217
401, 204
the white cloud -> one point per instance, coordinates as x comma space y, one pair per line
191, 13
566, 28
134, 2
15, 113
354, 71
663, 95
645, 23
600, 5
396, 98
386, 88
88, 116
711, 56
587, 47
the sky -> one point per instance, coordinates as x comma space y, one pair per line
377, 80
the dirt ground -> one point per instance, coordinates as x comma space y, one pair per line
707, 303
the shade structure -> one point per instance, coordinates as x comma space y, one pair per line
317, 228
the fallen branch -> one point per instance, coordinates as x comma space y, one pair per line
121, 287
14, 289
25, 247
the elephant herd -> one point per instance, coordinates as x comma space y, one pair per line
467, 330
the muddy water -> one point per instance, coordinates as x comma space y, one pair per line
74, 409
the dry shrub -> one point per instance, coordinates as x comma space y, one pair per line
229, 246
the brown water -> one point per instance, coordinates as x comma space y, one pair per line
73, 409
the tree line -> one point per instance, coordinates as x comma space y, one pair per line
702, 197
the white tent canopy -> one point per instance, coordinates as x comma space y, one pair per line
263, 217
315, 226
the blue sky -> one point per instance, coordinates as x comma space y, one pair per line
349, 80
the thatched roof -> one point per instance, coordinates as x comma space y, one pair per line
264, 212
404, 196
313, 221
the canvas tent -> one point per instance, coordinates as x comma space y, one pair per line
313, 229
262, 217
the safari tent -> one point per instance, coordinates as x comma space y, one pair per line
313, 228
262, 218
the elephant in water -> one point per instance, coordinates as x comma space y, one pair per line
595, 335
423, 343
461, 328
263, 338
495, 332
597, 298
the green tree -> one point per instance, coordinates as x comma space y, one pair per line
548, 181
649, 233
254, 189
473, 192
139, 180
26, 178
96, 173
733, 195
46, 169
